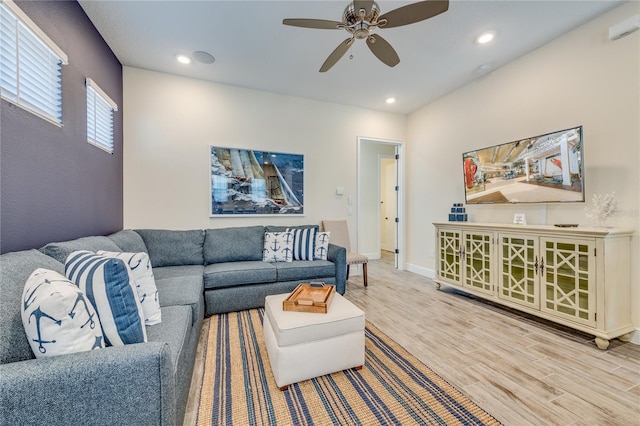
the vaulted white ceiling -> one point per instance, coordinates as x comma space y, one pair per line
253, 49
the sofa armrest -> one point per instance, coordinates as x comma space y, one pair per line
131, 384
338, 255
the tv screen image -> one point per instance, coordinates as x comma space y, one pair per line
541, 169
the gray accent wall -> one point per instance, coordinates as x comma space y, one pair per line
54, 186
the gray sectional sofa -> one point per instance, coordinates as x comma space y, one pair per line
197, 272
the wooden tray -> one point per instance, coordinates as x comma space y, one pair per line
310, 297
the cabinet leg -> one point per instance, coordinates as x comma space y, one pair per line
625, 337
602, 343
438, 286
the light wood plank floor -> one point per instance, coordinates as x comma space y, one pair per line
522, 370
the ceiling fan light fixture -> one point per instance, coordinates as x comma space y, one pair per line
486, 37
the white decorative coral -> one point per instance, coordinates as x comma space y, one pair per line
602, 207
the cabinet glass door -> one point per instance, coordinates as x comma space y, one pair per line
477, 261
519, 265
449, 265
567, 276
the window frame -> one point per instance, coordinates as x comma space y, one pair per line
100, 96
39, 37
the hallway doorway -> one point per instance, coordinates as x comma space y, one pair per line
380, 198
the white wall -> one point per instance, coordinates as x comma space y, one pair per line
581, 78
170, 122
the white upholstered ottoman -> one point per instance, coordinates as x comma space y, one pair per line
304, 345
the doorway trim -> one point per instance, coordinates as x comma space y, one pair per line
399, 150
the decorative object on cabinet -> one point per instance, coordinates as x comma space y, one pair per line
602, 207
577, 277
458, 213
519, 219
255, 182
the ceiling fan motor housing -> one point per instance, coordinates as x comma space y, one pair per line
360, 24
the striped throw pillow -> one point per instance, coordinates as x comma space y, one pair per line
145, 283
108, 284
304, 243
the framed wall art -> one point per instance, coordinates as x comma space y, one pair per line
255, 182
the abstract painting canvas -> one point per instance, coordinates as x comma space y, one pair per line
255, 182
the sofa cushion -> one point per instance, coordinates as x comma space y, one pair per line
177, 271
278, 247
173, 248
145, 284
61, 250
305, 270
232, 274
128, 240
175, 330
186, 290
57, 316
108, 284
233, 244
15, 269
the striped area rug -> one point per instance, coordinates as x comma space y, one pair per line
393, 388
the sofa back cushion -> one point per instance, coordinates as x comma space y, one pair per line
61, 250
173, 248
16, 267
129, 241
233, 244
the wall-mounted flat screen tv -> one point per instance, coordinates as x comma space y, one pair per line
543, 169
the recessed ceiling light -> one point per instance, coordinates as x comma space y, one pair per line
390, 100
183, 59
486, 37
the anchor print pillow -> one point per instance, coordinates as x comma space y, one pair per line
57, 316
140, 266
109, 286
322, 246
278, 247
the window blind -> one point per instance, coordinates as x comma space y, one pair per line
100, 110
30, 65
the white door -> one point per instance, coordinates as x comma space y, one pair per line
388, 204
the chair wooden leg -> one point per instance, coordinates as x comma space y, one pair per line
348, 271
364, 272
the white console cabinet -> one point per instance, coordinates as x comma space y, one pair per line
578, 277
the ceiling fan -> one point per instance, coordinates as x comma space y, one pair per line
361, 17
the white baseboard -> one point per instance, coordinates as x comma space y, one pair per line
425, 272
372, 256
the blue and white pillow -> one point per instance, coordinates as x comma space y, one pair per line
304, 243
57, 316
278, 247
322, 246
140, 266
108, 284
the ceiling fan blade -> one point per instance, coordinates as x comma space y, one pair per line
383, 50
321, 24
362, 4
336, 55
413, 13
